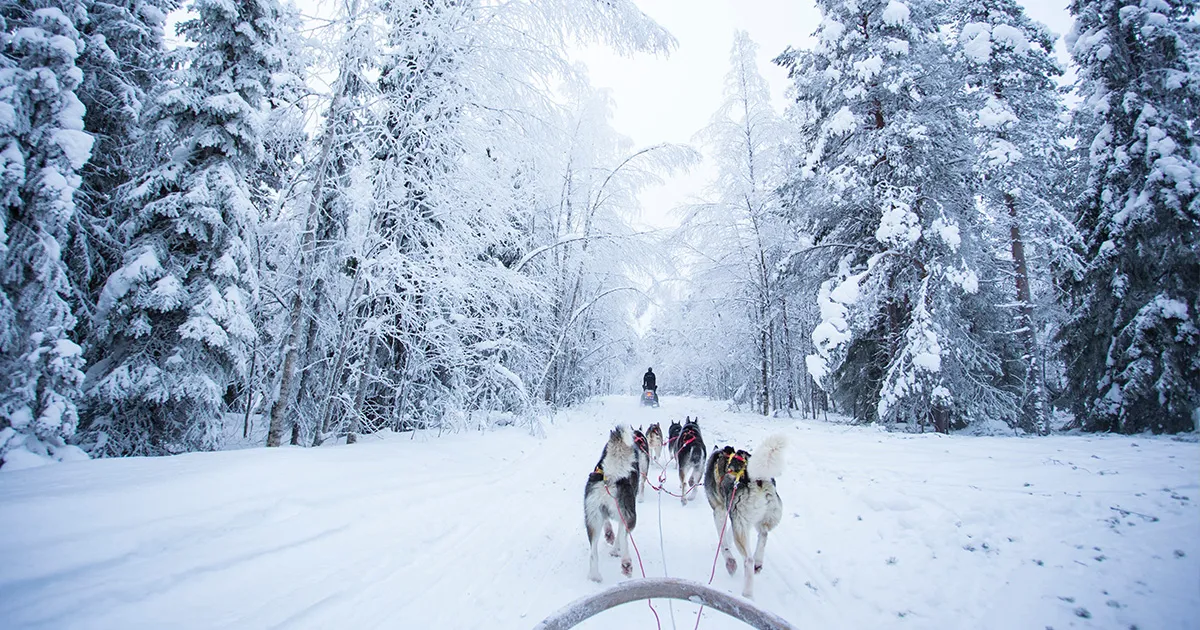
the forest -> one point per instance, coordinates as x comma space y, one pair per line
417, 214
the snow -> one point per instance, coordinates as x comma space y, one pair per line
817, 365
485, 530
76, 146
842, 122
1002, 153
899, 225
847, 291
947, 230
996, 114
1012, 37
1171, 308
831, 31
895, 14
976, 42
964, 278
868, 68
21, 459
898, 47
141, 267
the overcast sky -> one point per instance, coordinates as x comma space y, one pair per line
670, 99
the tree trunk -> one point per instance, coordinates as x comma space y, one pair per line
275, 433
364, 381
307, 250
1034, 408
766, 408
787, 358
250, 391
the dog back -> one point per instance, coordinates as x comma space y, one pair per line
691, 447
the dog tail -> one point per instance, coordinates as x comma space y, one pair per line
767, 460
618, 453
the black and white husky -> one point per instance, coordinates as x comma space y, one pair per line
689, 452
741, 488
611, 495
641, 452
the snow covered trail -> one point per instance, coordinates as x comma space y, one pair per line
485, 531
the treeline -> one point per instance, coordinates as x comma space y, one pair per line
929, 238
404, 214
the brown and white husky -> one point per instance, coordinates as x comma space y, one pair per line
741, 488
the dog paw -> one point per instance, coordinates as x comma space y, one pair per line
731, 565
748, 594
627, 567
595, 577
758, 568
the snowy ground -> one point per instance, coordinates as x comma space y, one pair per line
485, 530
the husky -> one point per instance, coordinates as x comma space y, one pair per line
672, 444
610, 495
689, 452
654, 441
741, 488
642, 452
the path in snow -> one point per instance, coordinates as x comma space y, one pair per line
485, 531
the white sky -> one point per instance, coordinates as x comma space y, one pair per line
669, 100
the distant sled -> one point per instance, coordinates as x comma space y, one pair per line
650, 398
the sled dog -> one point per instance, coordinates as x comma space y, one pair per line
654, 441
641, 452
689, 451
741, 488
610, 495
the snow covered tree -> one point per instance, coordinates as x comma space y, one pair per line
891, 210
1010, 74
438, 310
325, 211
741, 236
594, 253
175, 318
123, 61
1133, 346
42, 148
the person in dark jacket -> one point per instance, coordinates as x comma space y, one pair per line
648, 381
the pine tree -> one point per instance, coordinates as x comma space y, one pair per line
902, 336
176, 317
122, 62
42, 148
1010, 72
1133, 346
